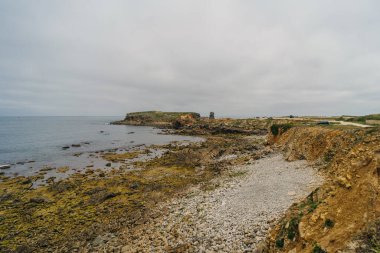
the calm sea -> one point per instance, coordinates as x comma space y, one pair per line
41, 139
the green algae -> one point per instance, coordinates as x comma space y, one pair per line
71, 209
116, 157
66, 214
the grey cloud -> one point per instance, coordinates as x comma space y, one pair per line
235, 57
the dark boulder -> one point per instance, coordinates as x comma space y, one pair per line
5, 166
177, 124
39, 200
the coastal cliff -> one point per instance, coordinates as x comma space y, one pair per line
343, 214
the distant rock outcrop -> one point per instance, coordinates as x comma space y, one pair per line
5, 166
159, 119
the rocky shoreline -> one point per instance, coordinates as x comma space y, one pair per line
64, 215
234, 215
238, 191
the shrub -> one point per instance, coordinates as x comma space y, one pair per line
280, 243
293, 228
329, 223
177, 124
318, 249
277, 128
329, 156
371, 238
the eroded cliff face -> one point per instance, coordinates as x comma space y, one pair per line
333, 216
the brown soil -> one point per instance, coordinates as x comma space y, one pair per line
336, 213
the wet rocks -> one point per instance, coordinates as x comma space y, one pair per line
60, 186
5, 166
39, 200
23, 249
63, 169
134, 186
101, 196
5, 197
46, 169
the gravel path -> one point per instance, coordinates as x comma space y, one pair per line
234, 217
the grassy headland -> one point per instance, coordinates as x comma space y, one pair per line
157, 118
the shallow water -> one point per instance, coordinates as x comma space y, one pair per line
40, 139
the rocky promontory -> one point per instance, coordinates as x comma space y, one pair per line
191, 123
158, 118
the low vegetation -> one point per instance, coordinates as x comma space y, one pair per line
78, 208
277, 129
368, 119
116, 157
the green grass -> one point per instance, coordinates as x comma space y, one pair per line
293, 228
309, 205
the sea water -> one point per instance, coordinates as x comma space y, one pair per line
41, 140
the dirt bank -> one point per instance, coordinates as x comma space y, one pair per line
346, 204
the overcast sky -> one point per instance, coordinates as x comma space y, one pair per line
237, 58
